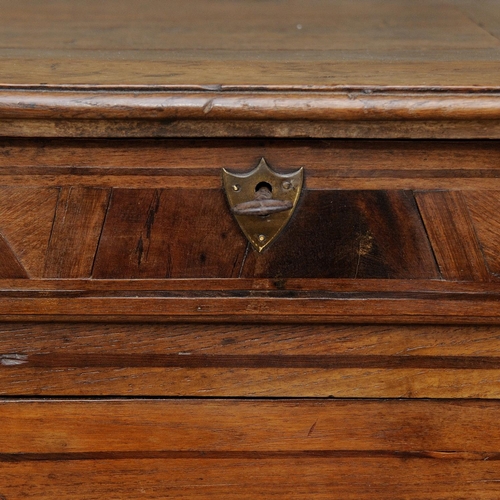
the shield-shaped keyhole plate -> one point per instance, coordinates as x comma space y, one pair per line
263, 224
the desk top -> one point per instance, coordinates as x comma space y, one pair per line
242, 60
314, 43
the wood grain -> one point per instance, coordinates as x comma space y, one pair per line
484, 211
349, 234
87, 426
299, 129
355, 104
10, 267
452, 235
137, 333
26, 216
250, 360
75, 233
321, 71
233, 378
189, 163
377, 307
184, 156
175, 233
439, 476
169, 233
396, 43
259, 287
223, 21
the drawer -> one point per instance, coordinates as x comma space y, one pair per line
142, 230
248, 449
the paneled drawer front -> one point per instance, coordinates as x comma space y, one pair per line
141, 230
248, 449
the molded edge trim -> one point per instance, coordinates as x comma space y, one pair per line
312, 105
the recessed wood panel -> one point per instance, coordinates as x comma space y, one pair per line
349, 234
169, 233
175, 233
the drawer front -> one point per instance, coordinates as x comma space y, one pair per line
249, 449
142, 230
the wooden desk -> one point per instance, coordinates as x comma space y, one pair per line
147, 351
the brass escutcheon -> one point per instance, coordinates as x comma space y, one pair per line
262, 201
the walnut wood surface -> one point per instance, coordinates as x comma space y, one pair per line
26, 217
243, 449
484, 214
323, 43
266, 360
132, 129
123, 276
75, 232
10, 267
239, 449
453, 235
197, 163
354, 112
183, 233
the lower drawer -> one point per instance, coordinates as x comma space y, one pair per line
321, 449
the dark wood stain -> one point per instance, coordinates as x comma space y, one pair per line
177, 233
349, 234
249, 361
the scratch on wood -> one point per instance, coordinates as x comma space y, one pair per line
58, 201
108, 204
364, 248
13, 360
311, 430
139, 250
208, 106
152, 211
245, 255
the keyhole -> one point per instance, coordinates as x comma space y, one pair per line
263, 184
